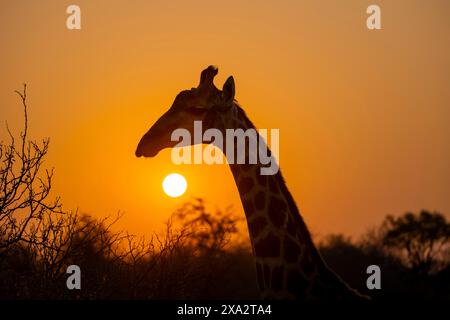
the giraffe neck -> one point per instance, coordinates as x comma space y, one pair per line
288, 264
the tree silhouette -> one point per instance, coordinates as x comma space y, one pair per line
24, 186
209, 231
419, 239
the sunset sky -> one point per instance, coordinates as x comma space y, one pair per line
363, 115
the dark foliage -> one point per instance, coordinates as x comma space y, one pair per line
400, 279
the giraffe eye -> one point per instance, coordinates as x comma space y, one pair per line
197, 110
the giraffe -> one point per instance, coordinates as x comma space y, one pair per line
288, 265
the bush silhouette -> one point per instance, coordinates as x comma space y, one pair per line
418, 240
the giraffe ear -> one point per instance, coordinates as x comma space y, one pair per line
228, 90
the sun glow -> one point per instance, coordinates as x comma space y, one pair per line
174, 185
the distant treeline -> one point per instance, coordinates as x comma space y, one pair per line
196, 258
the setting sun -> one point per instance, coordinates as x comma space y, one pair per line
174, 185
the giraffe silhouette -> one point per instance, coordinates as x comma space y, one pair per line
288, 265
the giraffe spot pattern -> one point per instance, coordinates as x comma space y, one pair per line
277, 211
262, 180
256, 226
259, 275
246, 166
268, 246
306, 264
245, 184
273, 186
248, 207
291, 226
277, 278
302, 231
291, 250
260, 200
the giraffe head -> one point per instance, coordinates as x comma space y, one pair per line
205, 103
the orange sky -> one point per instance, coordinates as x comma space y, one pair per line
363, 115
